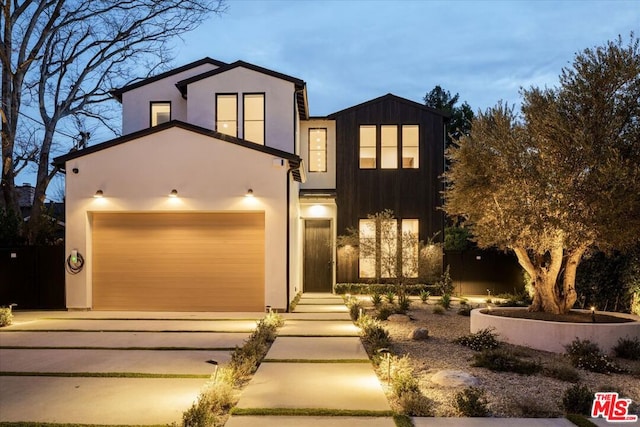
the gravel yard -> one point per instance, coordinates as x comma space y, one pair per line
508, 394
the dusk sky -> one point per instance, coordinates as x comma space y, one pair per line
351, 51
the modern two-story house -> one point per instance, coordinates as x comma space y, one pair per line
224, 194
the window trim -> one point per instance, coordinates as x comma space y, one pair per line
216, 109
376, 146
264, 117
326, 133
154, 103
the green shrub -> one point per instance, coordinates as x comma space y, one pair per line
484, 339
504, 361
354, 309
294, 303
403, 378
514, 300
463, 302
200, 414
404, 303
374, 334
6, 316
438, 309
415, 404
577, 399
562, 372
465, 311
471, 402
445, 284
424, 296
390, 296
384, 312
245, 359
585, 354
445, 301
376, 299
628, 348
381, 288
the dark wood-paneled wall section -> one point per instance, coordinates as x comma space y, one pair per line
410, 193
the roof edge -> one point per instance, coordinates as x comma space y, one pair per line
385, 97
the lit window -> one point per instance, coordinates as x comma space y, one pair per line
317, 150
389, 147
367, 248
410, 147
368, 147
388, 247
410, 230
254, 118
160, 113
227, 114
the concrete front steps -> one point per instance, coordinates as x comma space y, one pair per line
316, 367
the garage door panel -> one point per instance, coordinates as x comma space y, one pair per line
178, 262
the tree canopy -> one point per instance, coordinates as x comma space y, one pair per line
461, 116
559, 178
62, 58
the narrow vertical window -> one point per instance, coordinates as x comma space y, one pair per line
410, 230
410, 146
389, 147
388, 241
160, 113
317, 150
254, 117
227, 114
368, 147
367, 248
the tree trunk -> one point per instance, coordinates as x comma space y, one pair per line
549, 296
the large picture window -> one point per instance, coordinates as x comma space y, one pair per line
368, 147
227, 114
384, 243
160, 113
254, 117
317, 150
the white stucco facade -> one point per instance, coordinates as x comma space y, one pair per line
280, 105
319, 180
210, 175
136, 103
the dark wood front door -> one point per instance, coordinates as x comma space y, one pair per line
318, 263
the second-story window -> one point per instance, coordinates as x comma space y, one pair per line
368, 147
317, 150
389, 146
410, 147
227, 114
160, 112
254, 117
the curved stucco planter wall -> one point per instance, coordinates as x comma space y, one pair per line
553, 336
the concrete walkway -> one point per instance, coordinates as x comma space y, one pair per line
52, 362
316, 363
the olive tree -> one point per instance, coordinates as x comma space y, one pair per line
559, 178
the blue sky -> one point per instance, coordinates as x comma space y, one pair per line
351, 51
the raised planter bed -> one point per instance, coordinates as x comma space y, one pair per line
553, 336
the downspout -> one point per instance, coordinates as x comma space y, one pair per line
288, 278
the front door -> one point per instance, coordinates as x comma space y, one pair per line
318, 262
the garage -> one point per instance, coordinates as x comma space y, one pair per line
178, 261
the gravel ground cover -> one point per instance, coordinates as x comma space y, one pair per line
508, 394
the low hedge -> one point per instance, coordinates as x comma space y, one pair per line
368, 288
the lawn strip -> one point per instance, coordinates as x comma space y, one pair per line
14, 347
177, 331
402, 420
311, 412
152, 319
580, 420
100, 375
39, 424
316, 361
317, 336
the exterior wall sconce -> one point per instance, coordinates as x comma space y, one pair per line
249, 193
174, 193
99, 194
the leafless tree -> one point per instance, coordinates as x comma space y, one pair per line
62, 58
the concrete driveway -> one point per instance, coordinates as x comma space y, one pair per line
130, 368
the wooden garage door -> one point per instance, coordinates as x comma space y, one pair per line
178, 261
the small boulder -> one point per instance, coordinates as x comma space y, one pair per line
453, 378
399, 318
419, 334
